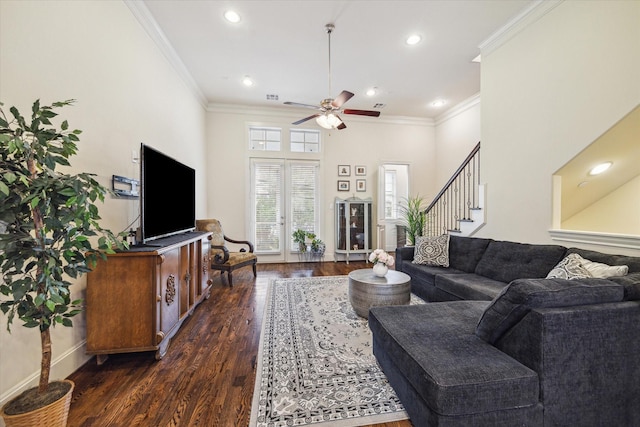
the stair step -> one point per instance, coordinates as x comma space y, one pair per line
465, 220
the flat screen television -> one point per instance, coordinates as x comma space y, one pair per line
167, 195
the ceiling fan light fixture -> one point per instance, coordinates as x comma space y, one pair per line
328, 121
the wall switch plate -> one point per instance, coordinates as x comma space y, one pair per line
135, 156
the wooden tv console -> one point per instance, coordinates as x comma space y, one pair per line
137, 299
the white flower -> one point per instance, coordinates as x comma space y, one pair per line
380, 256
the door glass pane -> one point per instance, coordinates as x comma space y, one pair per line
303, 191
267, 183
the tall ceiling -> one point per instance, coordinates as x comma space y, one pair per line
283, 47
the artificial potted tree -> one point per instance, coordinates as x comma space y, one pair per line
49, 235
413, 217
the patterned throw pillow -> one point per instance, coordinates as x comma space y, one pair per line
569, 268
432, 250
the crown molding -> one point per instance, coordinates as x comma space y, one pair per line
518, 23
289, 114
144, 17
458, 109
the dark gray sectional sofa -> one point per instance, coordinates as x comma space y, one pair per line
499, 344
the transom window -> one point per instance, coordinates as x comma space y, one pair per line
305, 141
265, 138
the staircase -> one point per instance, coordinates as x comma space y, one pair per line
459, 206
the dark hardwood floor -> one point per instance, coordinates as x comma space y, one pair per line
207, 376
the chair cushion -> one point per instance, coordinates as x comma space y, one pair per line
236, 259
213, 226
517, 299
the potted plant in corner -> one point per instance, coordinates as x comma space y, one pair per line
413, 216
49, 234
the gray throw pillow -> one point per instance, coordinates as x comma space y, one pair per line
570, 268
432, 250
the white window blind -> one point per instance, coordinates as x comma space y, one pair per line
267, 182
303, 192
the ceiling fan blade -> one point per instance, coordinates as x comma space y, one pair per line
341, 99
341, 126
369, 113
305, 119
297, 104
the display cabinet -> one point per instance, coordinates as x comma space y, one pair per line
353, 227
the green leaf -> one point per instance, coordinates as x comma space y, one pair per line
4, 189
50, 305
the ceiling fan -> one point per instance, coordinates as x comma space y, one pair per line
327, 117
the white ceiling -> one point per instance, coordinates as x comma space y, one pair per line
283, 47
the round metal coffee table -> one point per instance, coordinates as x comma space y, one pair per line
367, 290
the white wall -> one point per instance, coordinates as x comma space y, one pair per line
617, 212
457, 133
127, 93
366, 141
547, 93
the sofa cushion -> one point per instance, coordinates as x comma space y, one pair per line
432, 250
469, 286
569, 268
631, 285
465, 252
632, 262
507, 261
453, 370
517, 299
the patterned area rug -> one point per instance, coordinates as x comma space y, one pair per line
316, 365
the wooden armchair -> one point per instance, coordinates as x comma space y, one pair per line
221, 258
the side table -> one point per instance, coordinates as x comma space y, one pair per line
367, 290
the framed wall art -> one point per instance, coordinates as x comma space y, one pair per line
361, 184
344, 170
343, 185
361, 170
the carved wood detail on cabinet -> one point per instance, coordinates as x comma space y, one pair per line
137, 299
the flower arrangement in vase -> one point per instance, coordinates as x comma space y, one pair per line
381, 262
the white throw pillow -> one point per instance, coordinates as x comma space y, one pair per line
569, 268
432, 250
602, 271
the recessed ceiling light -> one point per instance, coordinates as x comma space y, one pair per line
372, 91
232, 16
438, 103
247, 81
413, 39
598, 169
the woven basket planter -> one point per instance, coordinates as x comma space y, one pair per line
53, 415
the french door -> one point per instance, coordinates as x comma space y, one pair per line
284, 197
